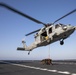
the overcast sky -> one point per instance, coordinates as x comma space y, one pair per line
13, 28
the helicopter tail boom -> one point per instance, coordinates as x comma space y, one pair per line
22, 49
25, 48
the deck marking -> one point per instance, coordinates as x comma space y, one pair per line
71, 63
42, 69
73, 74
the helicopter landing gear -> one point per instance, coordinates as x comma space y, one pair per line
29, 53
61, 42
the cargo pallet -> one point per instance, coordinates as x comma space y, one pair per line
47, 61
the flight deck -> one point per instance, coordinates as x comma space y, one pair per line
19, 67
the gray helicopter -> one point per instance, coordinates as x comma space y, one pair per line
48, 34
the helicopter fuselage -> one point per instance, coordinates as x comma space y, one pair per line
53, 33
49, 35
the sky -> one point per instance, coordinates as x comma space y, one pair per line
13, 28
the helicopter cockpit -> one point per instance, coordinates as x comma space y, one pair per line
64, 27
57, 26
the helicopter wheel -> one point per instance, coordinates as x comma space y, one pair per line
61, 42
29, 53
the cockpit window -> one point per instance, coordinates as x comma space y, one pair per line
57, 25
62, 25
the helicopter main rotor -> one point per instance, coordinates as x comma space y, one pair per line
65, 15
20, 13
33, 19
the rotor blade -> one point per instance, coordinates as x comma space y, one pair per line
20, 13
65, 15
32, 32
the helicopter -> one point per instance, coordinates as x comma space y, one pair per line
48, 34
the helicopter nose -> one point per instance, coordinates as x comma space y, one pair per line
72, 27
75, 27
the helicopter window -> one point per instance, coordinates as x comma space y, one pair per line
62, 25
44, 33
56, 26
50, 30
